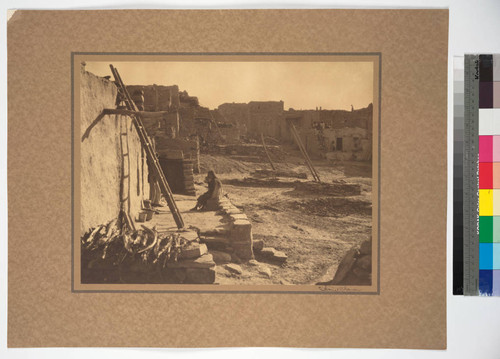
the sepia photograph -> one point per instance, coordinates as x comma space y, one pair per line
253, 173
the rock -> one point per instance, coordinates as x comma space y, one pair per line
268, 252
284, 282
235, 258
220, 257
221, 271
193, 250
345, 266
366, 247
189, 236
205, 261
272, 254
258, 244
280, 256
233, 268
253, 262
265, 270
364, 262
356, 276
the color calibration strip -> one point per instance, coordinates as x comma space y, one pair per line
479, 189
458, 179
489, 175
470, 176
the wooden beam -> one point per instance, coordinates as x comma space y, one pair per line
143, 114
267, 153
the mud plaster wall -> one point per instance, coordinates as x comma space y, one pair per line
158, 98
101, 156
265, 117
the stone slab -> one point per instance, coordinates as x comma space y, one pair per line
205, 261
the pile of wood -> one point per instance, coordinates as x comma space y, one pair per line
111, 242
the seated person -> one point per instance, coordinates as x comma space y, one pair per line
214, 191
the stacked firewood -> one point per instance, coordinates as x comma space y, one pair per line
115, 243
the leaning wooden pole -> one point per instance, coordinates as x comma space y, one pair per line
151, 156
267, 153
308, 159
304, 153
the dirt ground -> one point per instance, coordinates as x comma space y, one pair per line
313, 224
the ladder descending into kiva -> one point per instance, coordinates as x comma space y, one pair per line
304, 152
146, 144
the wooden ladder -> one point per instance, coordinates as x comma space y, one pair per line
150, 154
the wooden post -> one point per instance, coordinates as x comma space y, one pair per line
267, 153
304, 153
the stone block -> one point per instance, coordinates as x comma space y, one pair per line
280, 256
233, 210
193, 250
200, 275
243, 250
267, 252
241, 231
258, 244
237, 216
205, 261
189, 236
273, 254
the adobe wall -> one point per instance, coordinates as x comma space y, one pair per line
158, 97
236, 113
101, 156
356, 144
265, 117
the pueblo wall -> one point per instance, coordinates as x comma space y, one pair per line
157, 97
265, 117
101, 156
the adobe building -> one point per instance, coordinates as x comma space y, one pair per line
113, 166
332, 134
171, 130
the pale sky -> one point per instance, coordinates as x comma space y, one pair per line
301, 85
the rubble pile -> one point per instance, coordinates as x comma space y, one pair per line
278, 173
252, 150
334, 189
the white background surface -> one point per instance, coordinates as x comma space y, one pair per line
473, 323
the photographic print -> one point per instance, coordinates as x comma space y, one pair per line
226, 172
276, 178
